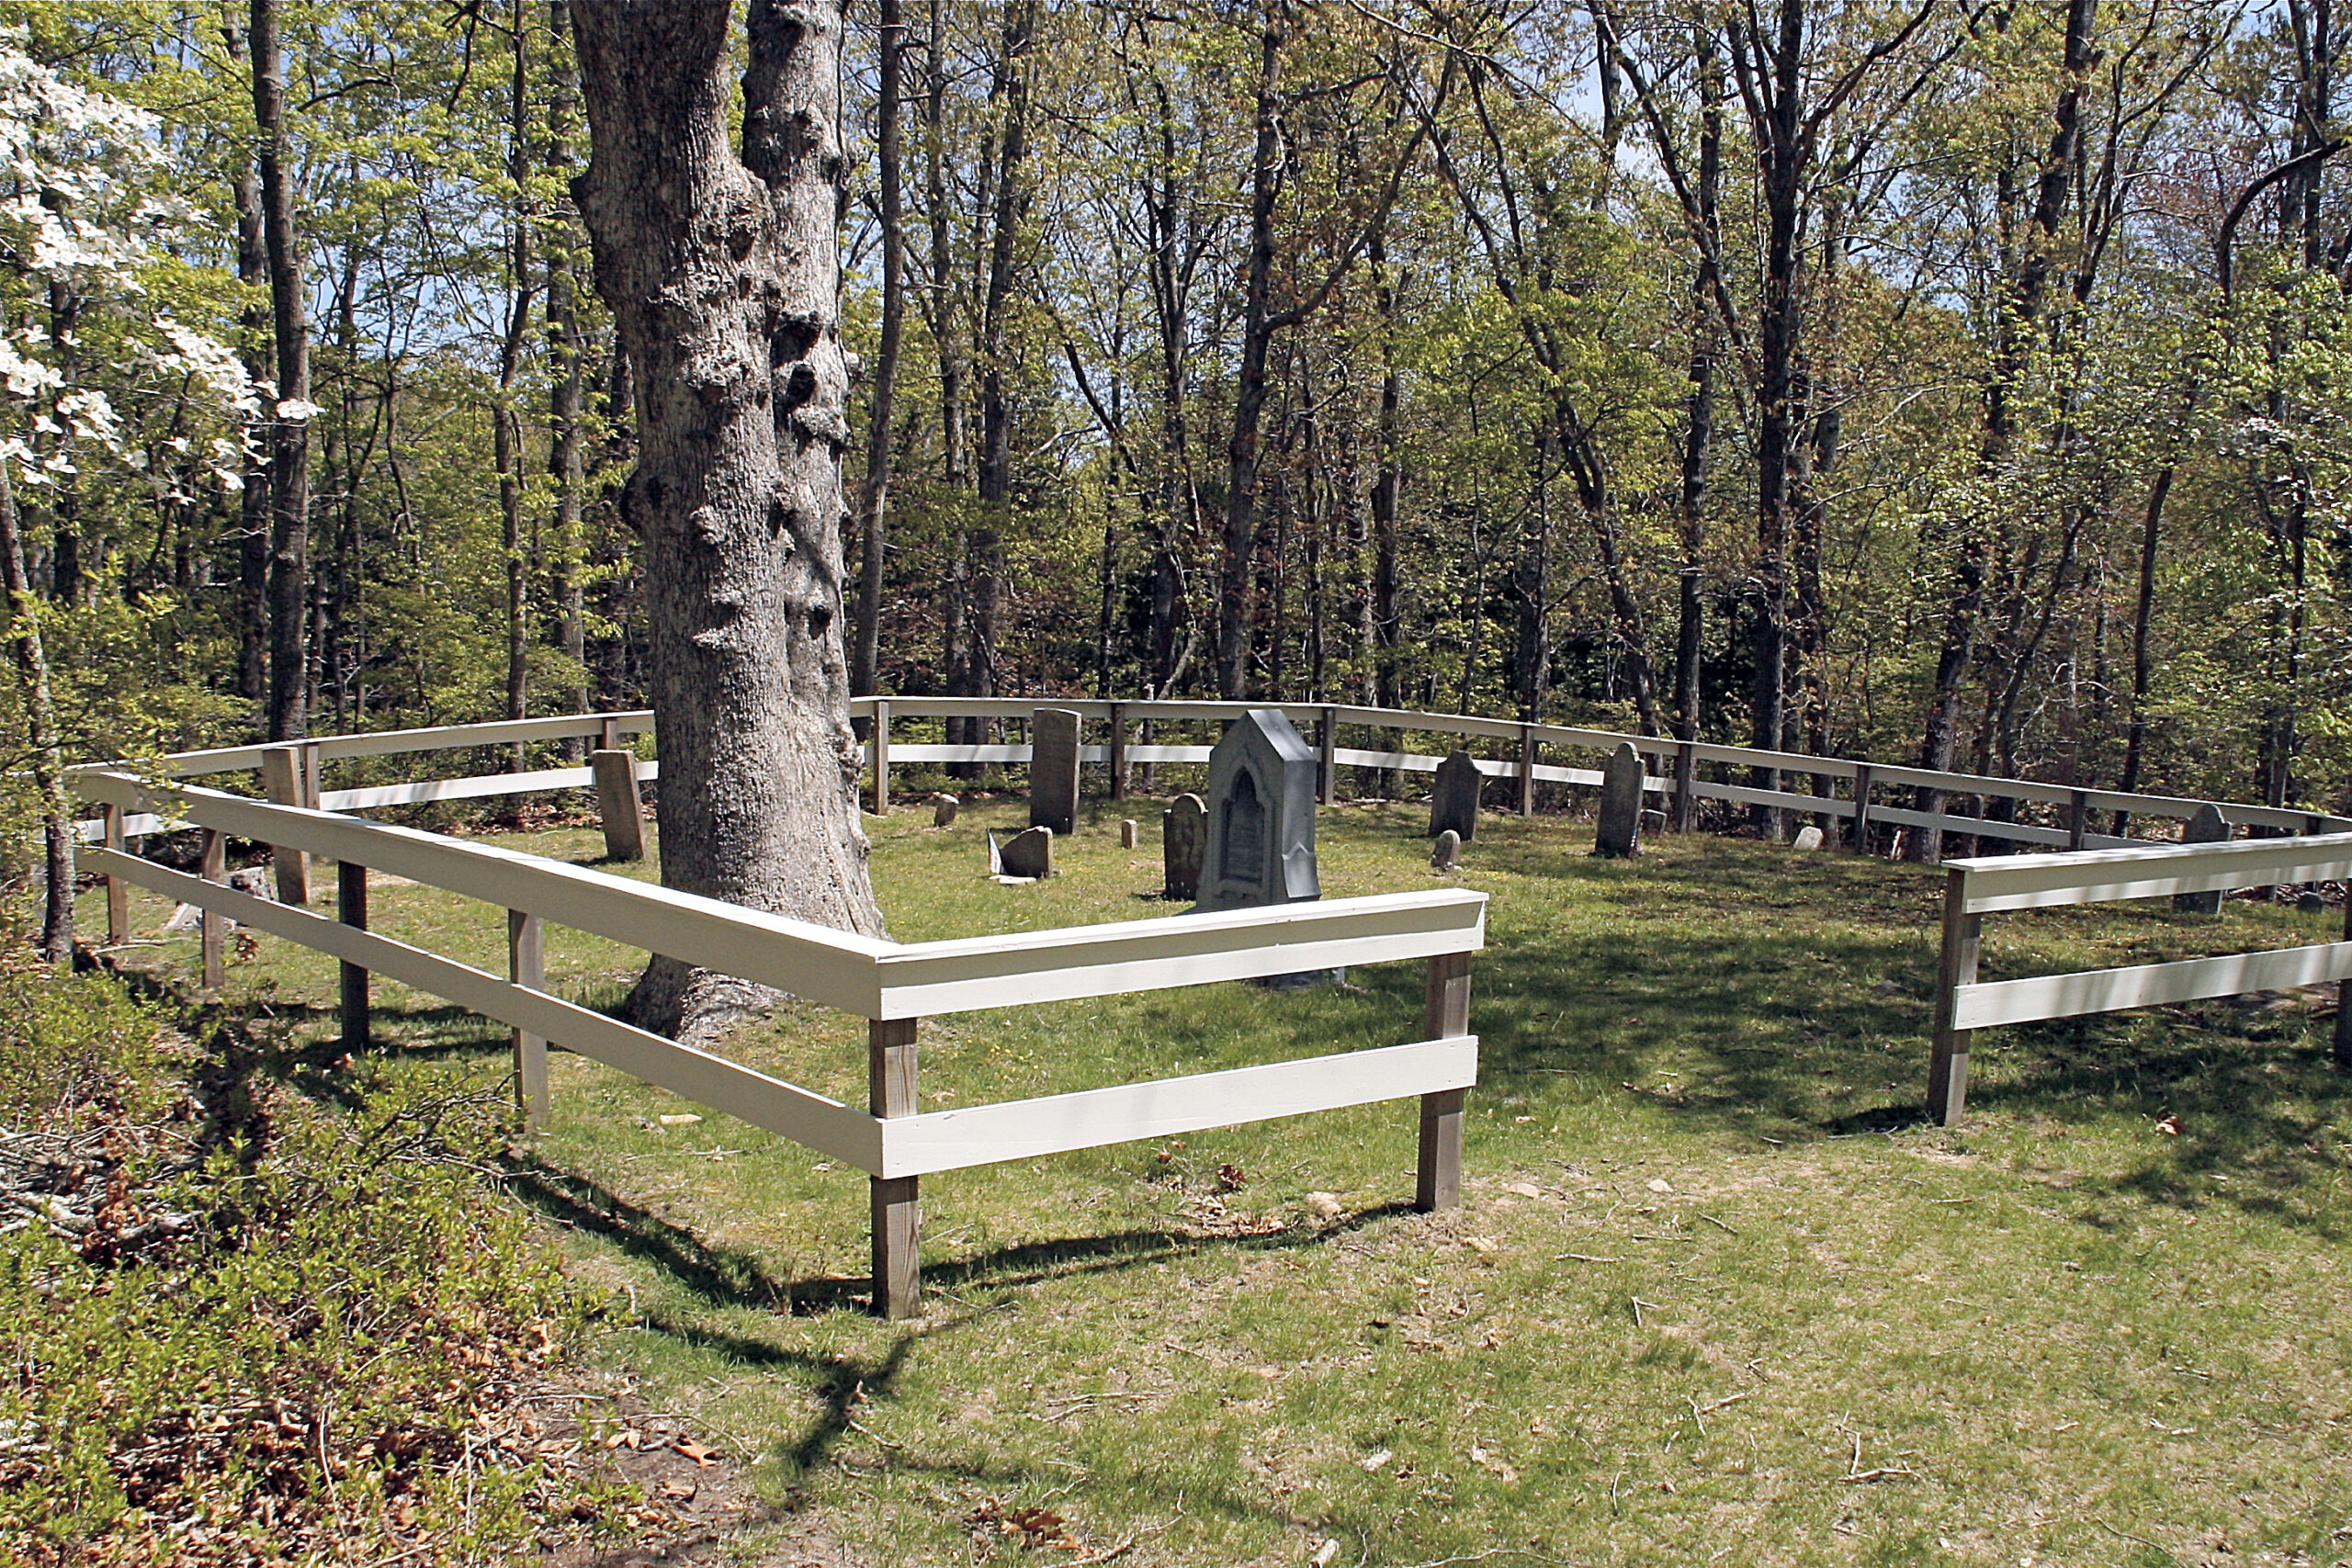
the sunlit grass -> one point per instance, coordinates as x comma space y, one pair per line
1710, 1269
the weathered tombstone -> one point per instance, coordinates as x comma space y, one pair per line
1053, 769
2208, 826
1261, 845
1126, 832
944, 809
1030, 853
2310, 902
1620, 831
1447, 855
1808, 838
1183, 833
1453, 803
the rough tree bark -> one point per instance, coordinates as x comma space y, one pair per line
289, 431
722, 275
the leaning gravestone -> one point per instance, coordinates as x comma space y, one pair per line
1261, 845
944, 809
1182, 835
1453, 804
1029, 853
1447, 855
1808, 838
1053, 769
1619, 832
2208, 826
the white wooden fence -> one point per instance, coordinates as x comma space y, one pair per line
1975, 888
893, 985
1858, 795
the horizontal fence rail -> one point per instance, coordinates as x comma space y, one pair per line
1974, 889
892, 984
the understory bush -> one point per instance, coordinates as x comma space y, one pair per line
243, 1326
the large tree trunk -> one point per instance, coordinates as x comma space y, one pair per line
289, 431
722, 273
1239, 558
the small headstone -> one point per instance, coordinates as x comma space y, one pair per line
1619, 832
253, 880
2208, 826
1808, 838
1654, 822
1053, 769
1261, 846
1453, 803
1030, 853
2310, 903
1184, 834
944, 809
1447, 855
1126, 832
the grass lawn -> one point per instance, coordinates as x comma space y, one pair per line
1715, 1293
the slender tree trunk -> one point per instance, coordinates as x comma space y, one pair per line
723, 276
40, 731
506, 417
866, 660
289, 443
1011, 207
1250, 384
566, 352
253, 539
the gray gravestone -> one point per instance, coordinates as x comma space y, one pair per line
1126, 832
1183, 832
943, 810
1453, 803
1808, 838
1621, 803
1261, 846
1030, 853
2208, 826
1053, 769
1447, 855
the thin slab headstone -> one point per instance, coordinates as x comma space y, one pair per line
1808, 838
1126, 832
1447, 855
2208, 826
1453, 803
1619, 833
1053, 769
1184, 834
1260, 847
944, 809
1030, 853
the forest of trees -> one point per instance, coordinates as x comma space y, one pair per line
1938, 381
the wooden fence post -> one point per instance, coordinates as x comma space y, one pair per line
1963, 945
2344, 995
2078, 817
618, 804
1437, 1178
213, 926
1118, 750
896, 1200
880, 730
118, 890
281, 780
1326, 746
1527, 770
609, 734
527, 965
1859, 839
313, 765
1686, 778
351, 909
